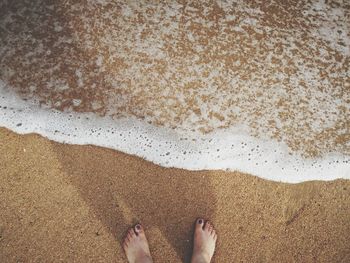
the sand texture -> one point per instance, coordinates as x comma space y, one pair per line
69, 203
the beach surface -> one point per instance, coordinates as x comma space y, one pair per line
71, 203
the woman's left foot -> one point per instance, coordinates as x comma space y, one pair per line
136, 246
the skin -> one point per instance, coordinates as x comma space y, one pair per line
137, 250
136, 246
204, 242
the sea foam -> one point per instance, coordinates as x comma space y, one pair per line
224, 149
261, 88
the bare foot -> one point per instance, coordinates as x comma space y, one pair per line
204, 242
136, 246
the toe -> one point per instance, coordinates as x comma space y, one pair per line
207, 226
138, 229
126, 241
131, 233
199, 223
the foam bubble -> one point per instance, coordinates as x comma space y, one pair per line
194, 67
262, 88
222, 149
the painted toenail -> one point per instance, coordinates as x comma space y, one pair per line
200, 221
138, 227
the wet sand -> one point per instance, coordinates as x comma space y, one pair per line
70, 203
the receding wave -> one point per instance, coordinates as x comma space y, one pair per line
259, 87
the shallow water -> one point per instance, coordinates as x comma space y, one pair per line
262, 88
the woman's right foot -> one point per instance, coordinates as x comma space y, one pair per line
204, 242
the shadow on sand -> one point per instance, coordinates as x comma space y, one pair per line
137, 191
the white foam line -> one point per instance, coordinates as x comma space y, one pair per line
229, 149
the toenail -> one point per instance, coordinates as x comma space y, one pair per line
200, 221
138, 227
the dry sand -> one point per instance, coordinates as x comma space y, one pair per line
74, 203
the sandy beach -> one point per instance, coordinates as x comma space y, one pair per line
70, 203
186, 84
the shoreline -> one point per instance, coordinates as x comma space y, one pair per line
230, 149
74, 203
